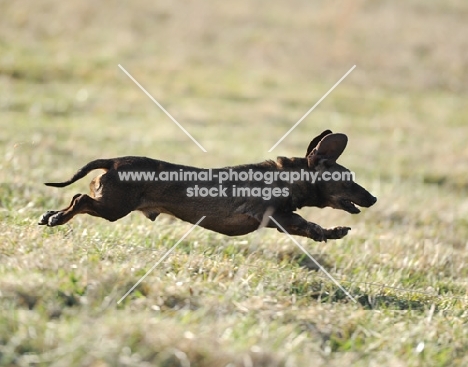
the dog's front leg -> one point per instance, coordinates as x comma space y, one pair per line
296, 225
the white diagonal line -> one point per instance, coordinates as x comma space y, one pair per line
162, 108
313, 107
161, 259
315, 261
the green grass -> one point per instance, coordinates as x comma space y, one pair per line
237, 76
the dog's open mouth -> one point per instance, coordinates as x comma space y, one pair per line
349, 206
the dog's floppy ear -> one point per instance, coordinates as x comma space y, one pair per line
328, 150
316, 140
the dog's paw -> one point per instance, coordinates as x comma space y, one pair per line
55, 219
316, 233
45, 217
337, 232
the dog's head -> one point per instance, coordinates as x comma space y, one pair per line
334, 183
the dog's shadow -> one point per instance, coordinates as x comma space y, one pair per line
294, 255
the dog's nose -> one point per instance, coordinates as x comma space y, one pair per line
373, 200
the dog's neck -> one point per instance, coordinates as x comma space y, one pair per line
310, 191
291, 163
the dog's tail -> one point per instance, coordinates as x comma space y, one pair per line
104, 164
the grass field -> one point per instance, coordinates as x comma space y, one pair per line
237, 76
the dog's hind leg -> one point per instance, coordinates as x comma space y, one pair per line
294, 224
45, 217
84, 204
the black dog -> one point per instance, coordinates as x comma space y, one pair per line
234, 209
